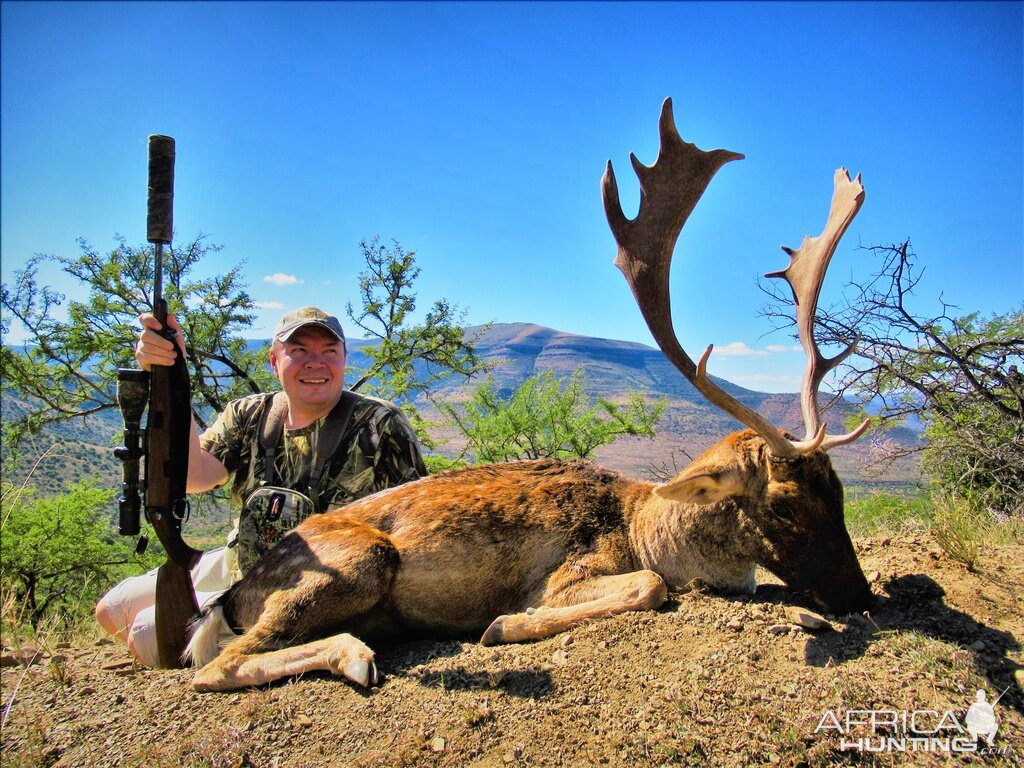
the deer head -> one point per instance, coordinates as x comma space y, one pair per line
787, 497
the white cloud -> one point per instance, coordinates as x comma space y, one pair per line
740, 349
280, 278
268, 305
737, 349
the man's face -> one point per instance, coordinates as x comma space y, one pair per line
311, 368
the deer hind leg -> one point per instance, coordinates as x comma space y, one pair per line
312, 583
595, 597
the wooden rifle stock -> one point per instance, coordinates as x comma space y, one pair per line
168, 427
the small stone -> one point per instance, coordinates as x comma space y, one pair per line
602, 646
560, 657
438, 744
977, 645
567, 641
303, 720
735, 625
806, 619
23, 656
874, 577
110, 666
779, 629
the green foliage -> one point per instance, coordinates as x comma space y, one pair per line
885, 513
408, 358
69, 366
976, 443
545, 417
59, 554
960, 530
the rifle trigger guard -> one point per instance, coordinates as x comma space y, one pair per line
181, 511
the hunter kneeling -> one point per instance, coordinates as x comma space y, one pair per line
312, 446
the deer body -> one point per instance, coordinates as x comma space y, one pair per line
525, 550
519, 551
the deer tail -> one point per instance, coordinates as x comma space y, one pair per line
206, 630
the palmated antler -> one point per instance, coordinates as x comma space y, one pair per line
669, 191
805, 274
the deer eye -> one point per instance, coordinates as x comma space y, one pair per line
784, 512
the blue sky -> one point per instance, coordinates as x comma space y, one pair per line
477, 133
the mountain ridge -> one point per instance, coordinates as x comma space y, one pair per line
614, 370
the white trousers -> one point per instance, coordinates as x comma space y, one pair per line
131, 604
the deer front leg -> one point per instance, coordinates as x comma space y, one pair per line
595, 598
239, 667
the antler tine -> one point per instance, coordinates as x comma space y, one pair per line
669, 190
805, 274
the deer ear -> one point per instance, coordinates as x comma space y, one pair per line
701, 486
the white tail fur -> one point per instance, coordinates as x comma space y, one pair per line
205, 643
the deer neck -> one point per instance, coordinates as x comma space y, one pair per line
682, 542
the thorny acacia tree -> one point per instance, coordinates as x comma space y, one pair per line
958, 374
68, 367
405, 358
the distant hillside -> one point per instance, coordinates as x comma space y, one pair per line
615, 368
518, 351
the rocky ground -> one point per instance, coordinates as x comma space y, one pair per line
708, 680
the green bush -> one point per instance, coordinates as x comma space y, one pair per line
59, 554
886, 513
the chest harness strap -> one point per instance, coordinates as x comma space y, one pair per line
333, 430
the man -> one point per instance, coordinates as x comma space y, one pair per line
279, 476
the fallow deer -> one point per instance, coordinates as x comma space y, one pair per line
525, 550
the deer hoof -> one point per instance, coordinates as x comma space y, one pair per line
362, 672
495, 634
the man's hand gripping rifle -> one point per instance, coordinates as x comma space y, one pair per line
165, 442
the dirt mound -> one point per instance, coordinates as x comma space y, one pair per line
709, 679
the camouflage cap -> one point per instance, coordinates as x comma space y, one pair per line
300, 318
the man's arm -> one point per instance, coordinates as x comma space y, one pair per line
399, 459
205, 471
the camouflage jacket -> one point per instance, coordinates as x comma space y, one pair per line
377, 451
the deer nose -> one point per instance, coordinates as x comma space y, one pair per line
855, 600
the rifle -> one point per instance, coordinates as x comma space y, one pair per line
165, 392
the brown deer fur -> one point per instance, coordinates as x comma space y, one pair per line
525, 550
